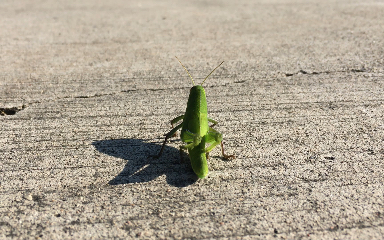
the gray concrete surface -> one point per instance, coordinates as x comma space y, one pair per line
94, 84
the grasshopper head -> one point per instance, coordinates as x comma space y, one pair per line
197, 91
197, 104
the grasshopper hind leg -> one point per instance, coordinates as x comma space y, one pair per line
168, 135
215, 138
174, 121
227, 157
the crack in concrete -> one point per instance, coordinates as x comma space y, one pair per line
301, 71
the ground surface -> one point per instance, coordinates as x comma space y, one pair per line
87, 90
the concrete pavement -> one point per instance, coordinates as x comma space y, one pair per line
87, 90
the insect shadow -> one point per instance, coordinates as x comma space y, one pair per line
140, 167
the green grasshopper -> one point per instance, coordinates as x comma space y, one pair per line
195, 131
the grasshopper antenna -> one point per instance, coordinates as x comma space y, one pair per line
211, 73
186, 70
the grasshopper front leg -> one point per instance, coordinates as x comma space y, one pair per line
214, 138
212, 121
192, 139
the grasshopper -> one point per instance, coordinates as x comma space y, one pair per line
195, 131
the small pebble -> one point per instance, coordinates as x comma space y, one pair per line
29, 197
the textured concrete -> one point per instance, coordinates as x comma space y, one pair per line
87, 90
